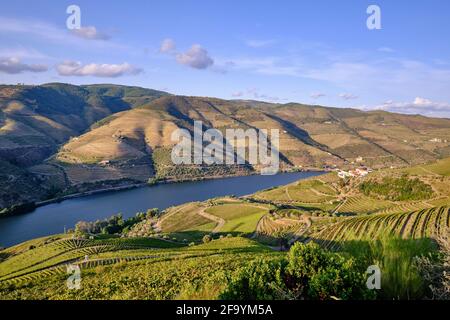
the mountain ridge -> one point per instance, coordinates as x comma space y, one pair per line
78, 138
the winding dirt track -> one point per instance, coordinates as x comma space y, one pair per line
220, 222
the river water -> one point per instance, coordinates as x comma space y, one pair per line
53, 218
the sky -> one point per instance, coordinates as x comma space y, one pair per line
315, 52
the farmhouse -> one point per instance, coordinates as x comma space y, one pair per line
359, 172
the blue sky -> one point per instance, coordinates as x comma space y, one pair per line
316, 52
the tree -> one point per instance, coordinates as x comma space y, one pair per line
207, 238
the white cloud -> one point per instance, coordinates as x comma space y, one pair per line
418, 106
317, 95
348, 96
196, 57
13, 65
167, 46
53, 33
72, 68
21, 53
90, 33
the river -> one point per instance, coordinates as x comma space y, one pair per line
53, 218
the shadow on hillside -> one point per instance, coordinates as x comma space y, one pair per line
380, 245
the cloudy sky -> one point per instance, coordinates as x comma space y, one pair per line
315, 52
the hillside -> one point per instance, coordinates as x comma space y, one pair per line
36, 120
192, 251
311, 137
73, 139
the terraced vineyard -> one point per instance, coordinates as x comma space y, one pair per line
313, 191
53, 257
271, 227
361, 205
171, 267
408, 225
406, 207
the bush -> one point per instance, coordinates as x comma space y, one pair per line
436, 272
308, 272
260, 280
207, 238
326, 275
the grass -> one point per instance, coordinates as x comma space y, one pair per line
234, 211
400, 277
441, 167
183, 218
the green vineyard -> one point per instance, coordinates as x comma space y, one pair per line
52, 258
362, 204
414, 224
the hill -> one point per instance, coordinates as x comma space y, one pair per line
36, 120
193, 250
68, 139
311, 137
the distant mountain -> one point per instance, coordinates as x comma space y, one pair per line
78, 138
36, 120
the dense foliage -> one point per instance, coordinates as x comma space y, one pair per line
113, 225
308, 272
397, 189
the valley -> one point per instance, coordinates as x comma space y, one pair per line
59, 139
191, 249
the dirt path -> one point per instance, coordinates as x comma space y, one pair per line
428, 171
287, 193
220, 222
319, 193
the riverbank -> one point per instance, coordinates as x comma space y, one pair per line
30, 207
53, 218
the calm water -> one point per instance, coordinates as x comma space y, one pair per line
52, 218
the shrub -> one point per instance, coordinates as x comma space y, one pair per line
437, 273
308, 272
260, 280
326, 275
207, 238
152, 213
